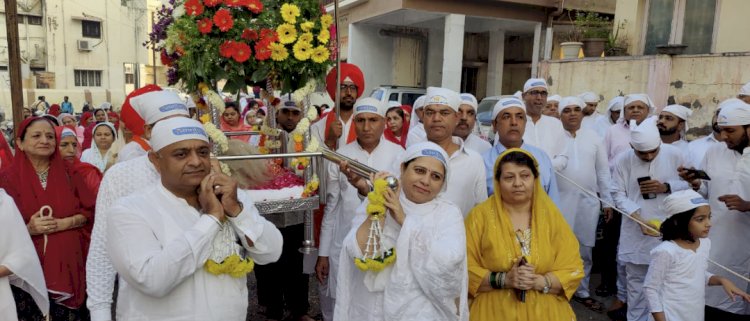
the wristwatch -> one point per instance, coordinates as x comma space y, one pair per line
547, 285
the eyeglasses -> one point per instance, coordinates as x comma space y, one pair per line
537, 93
345, 87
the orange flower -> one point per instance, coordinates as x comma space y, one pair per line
262, 50
249, 34
223, 19
193, 7
204, 25
254, 5
226, 49
211, 3
241, 52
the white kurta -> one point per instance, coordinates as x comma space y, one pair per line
318, 130
477, 144
603, 124
730, 175
547, 134
698, 148
467, 185
130, 151
429, 280
590, 121
588, 167
676, 281
17, 253
342, 200
94, 157
682, 145
121, 180
635, 247
417, 134
159, 245
617, 140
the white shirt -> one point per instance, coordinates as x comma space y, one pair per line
429, 280
342, 199
602, 124
547, 134
477, 144
698, 148
730, 174
318, 130
586, 156
676, 281
130, 151
634, 246
417, 134
589, 122
121, 180
159, 245
467, 185
94, 157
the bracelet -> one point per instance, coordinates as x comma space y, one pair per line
502, 279
493, 275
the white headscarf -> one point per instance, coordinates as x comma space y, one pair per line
506, 103
469, 99
644, 98
645, 137
554, 98
370, 105
428, 149
615, 104
680, 112
534, 83
414, 120
734, 112
682, 201
442, 96
570, 101
745, 90
589, 97
176, 129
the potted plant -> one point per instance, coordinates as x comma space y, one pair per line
571, 44
595, 31
616, 45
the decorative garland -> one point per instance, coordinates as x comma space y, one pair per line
375, 258
311, 186
212, 97
232, 265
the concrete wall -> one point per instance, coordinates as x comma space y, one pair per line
371, 52
697, 81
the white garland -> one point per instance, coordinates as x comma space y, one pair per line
313, 145
300, 94
217, 136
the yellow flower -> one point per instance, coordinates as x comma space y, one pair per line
324, 36
320, 54
287, 33
305, 37
289, 12
306, 26
302, 50
278, 52
326, 20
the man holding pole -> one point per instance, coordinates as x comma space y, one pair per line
336, 133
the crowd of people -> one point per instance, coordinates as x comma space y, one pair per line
475, 229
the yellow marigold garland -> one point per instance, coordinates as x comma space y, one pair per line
311, 186
232, 265
376, 210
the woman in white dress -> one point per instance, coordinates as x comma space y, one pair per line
101, 154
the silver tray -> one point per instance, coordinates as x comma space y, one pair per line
283, 213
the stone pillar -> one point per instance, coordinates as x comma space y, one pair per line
537, 48
496, 58
453, 51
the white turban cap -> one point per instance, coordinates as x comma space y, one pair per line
469, 99
157, 105
506, 103
534, 83
645, 137
554, 98
176, 129
644, 98
615, 104
570, 101
745, 90
393, 103
680, 111
442, 96
734, 112
370, 105
682, 201
428, 149
589, 97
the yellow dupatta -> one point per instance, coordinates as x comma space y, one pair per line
492, 246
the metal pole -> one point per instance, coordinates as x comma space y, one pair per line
338, 61
14, 63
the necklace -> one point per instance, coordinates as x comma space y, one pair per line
43, 177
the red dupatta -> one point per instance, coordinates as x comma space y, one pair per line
388, 134
63, 261
6, 156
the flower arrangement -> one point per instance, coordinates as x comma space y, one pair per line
375, 257
243, 41
311, 186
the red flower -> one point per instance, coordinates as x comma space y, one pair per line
254, 5
211, 3
193, 7
268, 35
241, 52
236, 3
226, 49
249, 34
165, 59
262, 50
204, 25
223, 19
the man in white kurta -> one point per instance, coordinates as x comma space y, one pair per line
697, 148
541, 131
673, 126
655, 165
122, 179
728, 192
467, 120
609, 119
617, 140
468, 185
416, 127
590, 114
586, 156
159, 242
342, 198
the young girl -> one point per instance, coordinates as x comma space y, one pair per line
676, 280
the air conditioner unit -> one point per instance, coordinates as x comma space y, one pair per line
84, 45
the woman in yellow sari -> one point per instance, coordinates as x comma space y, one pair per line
518, 242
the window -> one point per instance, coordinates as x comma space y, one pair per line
409, 98
129, 73
687, 22
393, 97
91, 29
88, 78
34, 20
469, 79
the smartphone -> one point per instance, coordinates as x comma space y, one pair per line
699, 174
646, 196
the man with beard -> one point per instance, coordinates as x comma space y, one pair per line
590, 115
467, 118
744, 94
542, 131
728, 197
287, 117
636, 107
336, 133
673, 126
370, 149
642, 178
467, 187
697, 148
581, 211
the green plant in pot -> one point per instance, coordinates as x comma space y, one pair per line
617, 45
571, 43
595, 30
